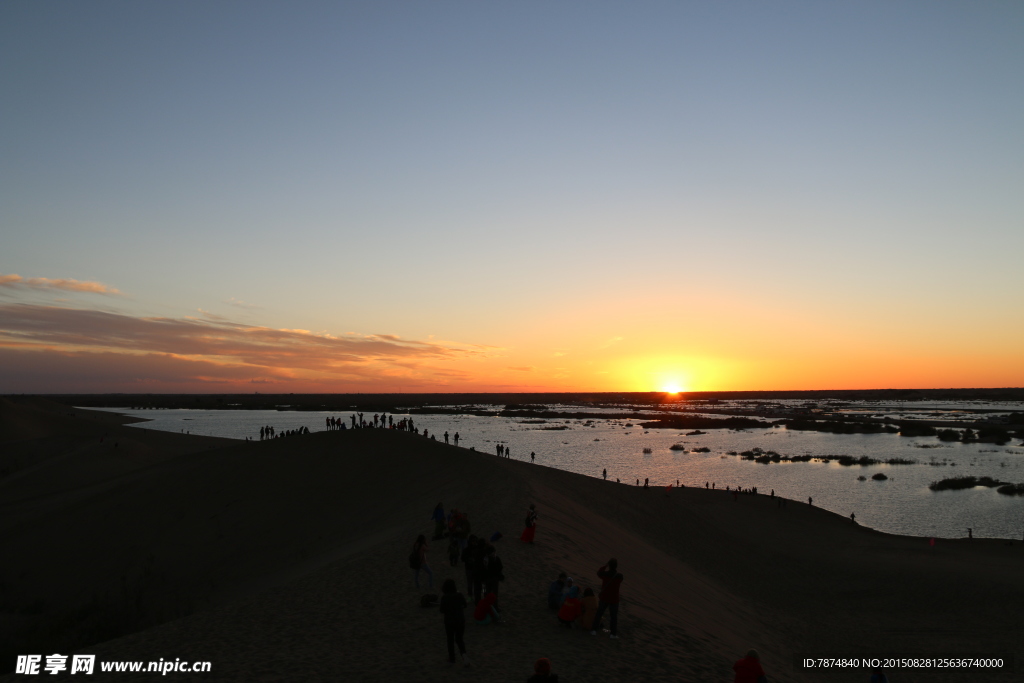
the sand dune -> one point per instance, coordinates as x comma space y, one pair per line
285, 560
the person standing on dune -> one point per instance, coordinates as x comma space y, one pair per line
531, 525
608, 599
452, 606
418, 561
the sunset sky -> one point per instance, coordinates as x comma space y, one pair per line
510, 196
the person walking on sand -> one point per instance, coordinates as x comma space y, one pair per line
533, 457
748, 669
453, 605
531, 525
608, 598
456, 438
418, 561
446, 436
494, 570
439, 521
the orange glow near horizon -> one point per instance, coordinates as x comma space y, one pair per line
57, 349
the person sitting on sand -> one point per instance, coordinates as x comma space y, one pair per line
486, 611
418, 561
542, 672
531, 525
588, 609
748, 669
571, 608
566, 590
555, 591
452, 606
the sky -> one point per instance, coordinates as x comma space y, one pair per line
510, 196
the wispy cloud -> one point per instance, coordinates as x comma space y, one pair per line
61, 284
214, 349
238, 303
611, 342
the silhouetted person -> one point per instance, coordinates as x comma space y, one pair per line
555, 591
748, 669
493, 571
810, 501
418, 561
469, 558
608, 598
542, 672
604, 473
452, 606
446, 437
456, 438
531, 525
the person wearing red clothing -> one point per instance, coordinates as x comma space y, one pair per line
531, 525
571, 608
485, 611
748, 669
608, 598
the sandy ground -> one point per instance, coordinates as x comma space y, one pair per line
286, 560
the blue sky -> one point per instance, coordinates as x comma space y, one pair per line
483, 173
